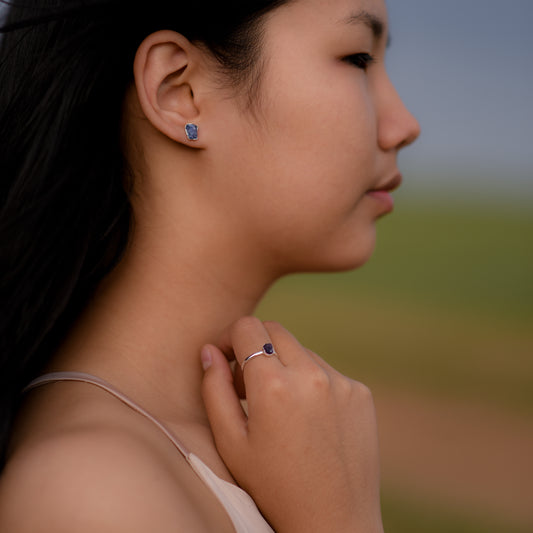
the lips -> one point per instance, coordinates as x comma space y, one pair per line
390, 185
382, 195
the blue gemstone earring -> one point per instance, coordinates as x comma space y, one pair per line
191, 130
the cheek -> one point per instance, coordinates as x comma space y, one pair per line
322, 123
297, 176
320, 144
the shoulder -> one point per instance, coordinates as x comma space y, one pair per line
97, 480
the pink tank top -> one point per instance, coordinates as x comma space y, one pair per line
238, 504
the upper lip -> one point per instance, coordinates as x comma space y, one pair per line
390, 183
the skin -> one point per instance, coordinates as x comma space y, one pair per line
263, 192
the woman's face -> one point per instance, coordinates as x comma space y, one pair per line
297, 174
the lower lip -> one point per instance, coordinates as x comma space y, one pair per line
384, 198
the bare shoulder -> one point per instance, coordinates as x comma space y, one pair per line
90, 481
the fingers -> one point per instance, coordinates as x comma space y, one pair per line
246, 334
290, 351
249, 335
252, 346
224, 410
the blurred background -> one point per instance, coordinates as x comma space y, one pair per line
440, 322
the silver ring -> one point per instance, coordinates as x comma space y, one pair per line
268, 351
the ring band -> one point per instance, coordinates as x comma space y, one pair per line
268, 351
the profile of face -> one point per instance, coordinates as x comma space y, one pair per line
327, 131
300, 178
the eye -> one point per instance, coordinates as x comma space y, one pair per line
362, 61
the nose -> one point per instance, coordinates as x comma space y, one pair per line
397, 127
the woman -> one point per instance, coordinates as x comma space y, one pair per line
162, 165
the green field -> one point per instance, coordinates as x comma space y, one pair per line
444, 308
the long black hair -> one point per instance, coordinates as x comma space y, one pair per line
65, 215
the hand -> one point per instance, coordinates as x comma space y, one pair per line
307, 452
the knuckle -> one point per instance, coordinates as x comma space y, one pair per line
343, 384
363, 392
319, 380
275, 387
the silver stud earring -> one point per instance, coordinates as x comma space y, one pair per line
191, 130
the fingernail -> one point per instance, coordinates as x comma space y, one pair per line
206, 357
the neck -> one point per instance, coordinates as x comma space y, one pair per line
144, 328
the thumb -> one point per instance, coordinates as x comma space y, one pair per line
226, 416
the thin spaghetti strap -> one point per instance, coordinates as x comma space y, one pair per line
238, 504
55, 377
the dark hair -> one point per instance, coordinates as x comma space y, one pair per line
65, 215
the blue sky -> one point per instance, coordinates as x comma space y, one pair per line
465, 68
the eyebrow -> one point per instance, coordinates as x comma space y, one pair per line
371, 21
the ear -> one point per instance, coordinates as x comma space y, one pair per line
166, 70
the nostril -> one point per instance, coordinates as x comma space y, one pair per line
413, 134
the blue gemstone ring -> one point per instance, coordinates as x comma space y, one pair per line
268, 351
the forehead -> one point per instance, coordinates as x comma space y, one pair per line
334, 15
334, 10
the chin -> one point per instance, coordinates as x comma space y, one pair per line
348, 263
349, 254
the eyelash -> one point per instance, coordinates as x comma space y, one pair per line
362, 61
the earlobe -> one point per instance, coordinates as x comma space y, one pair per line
165, 73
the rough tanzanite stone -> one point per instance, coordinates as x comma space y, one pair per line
268, 349
192, 131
